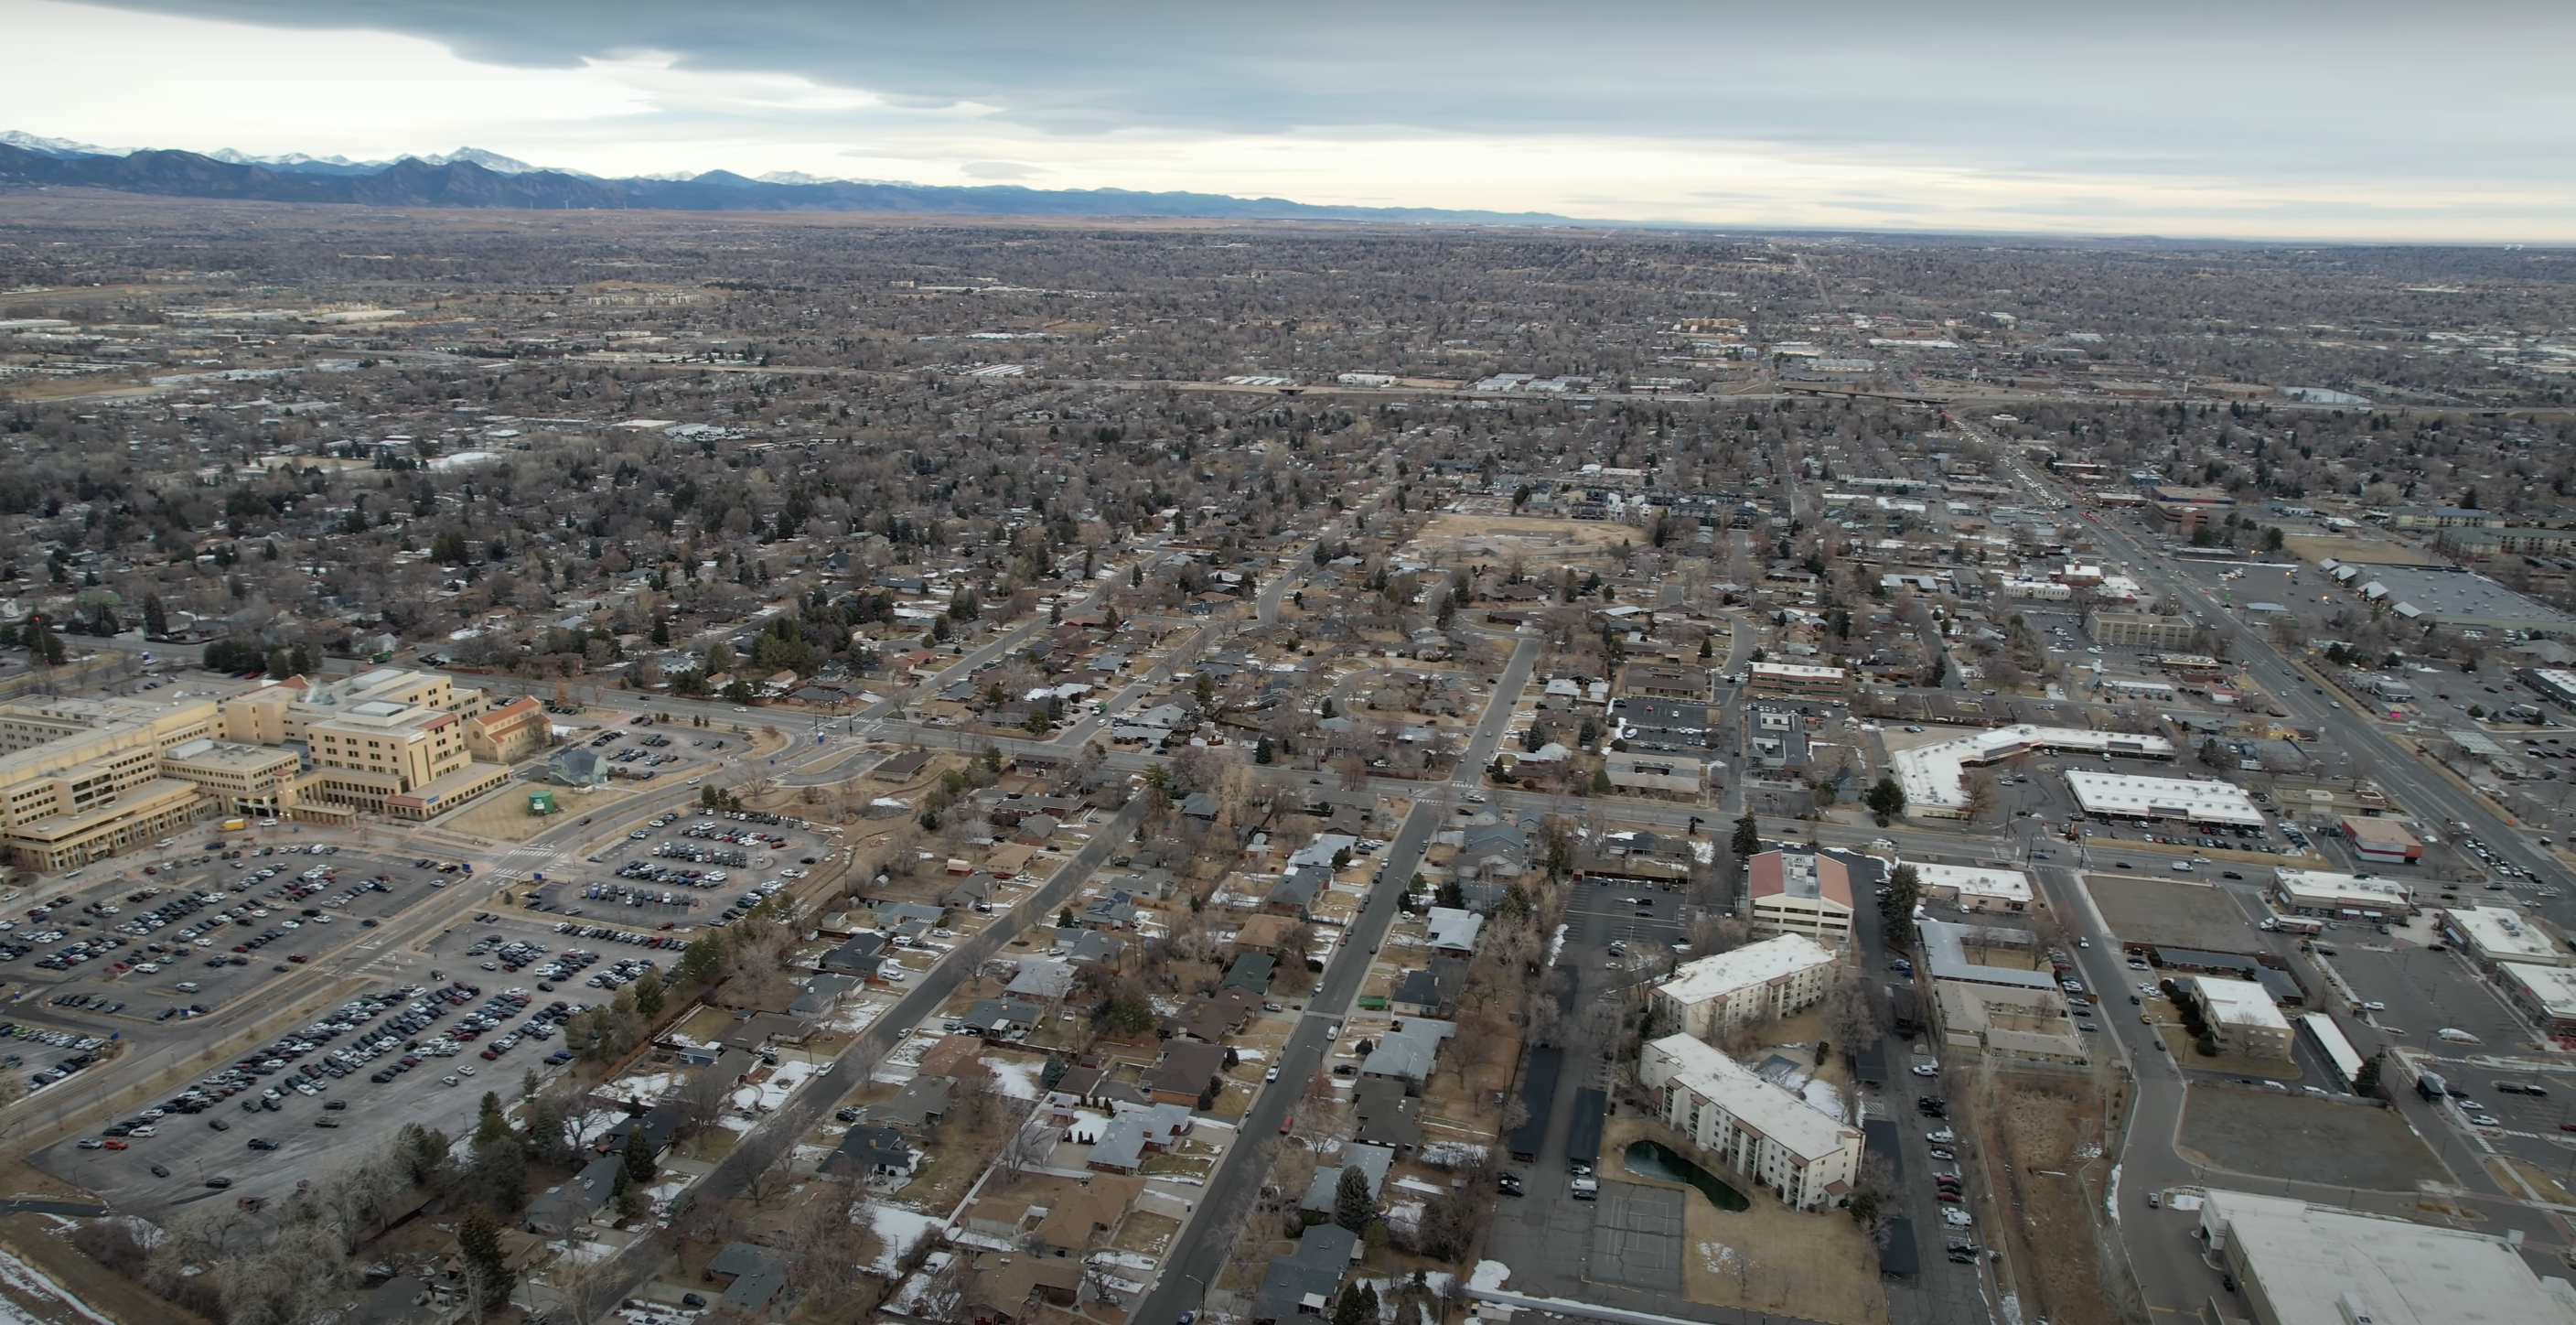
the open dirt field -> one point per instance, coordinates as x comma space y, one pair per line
2140, 908
2051, 1135
39, 1243
2364, 551
2300, 1136
1540, 545
1768, 1257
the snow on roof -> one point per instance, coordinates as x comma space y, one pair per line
1778, 1115
2164, 798
1750, 965
1931, 774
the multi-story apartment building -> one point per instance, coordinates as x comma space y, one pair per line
1807, 892
1717, 995
1796, 1152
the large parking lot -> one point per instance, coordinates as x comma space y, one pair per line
188, 940
682, 869
407, 1053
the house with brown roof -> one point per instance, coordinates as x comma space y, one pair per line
1210, 1018
1012, 1290
1087, 1216
1189, 1073
1264, 933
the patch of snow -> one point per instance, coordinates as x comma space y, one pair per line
1015, 1077
1490, 1275
1452, 1154
2011, 1308
1418, 1185
1555, 944
1717, 1257
31, 1281
899, 1229
1823, 1098
2111, 1197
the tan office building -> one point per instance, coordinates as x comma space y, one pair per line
83, 778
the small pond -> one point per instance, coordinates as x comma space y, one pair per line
1651, 1159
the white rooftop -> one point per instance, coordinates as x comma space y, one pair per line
2552, 987
2328, 885
1975, 880
2325, 1265
2505, 936
1748, 966
2164, 798
2239, 1003
1782, 1117
1931, 773
1799, 670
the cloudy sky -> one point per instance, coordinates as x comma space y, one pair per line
2354, 120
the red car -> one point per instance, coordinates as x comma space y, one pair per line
114, 1143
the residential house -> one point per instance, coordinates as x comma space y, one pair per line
1001, 1018
1407, 1052
1387, 1115
872, 1150
1430, 992
1209, 1018
1012, 1289
1454, 931
1251, 971
1086, 1217
751, 1275
1295, 893
1304, 1282
561, 1209
1188, 1073
914, 1108
1132, 1134
1373, 1162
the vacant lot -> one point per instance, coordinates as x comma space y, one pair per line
2303, 1137
2141, 908
1539, 545
2051, 1137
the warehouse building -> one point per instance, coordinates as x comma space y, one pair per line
2382, 841
2303, 1264
1974, 887
2494, 936
2449, 597
2108, 796
1935, 776
2340, 896
2546, 994
2242, 1017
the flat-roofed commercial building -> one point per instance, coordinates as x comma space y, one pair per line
2447, 596
2026, 1025
2302, 1264
2493, 936
1974, 887
2139, 630
2242, 1017
1718, 995
1642, 771
2121, 796
1664, 681
1807, 892
2340, 896
2546, 994
1934, 775
1799, 679
83, 778
242, 779
1798, 1153
2382, 841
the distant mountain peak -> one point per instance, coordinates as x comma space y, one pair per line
25, 141
479, 177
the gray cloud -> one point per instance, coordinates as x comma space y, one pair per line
2452, 91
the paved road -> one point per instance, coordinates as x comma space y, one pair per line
1209, 1236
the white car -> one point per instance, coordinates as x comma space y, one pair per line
2374, 1006
1271, 1075
1927, 1069
1955, 1217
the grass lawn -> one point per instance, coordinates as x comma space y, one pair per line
1146, 1233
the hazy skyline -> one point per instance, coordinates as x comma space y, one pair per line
2349, 122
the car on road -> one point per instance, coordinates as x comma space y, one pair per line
2374, 1006
1943, 1135
1270, 1075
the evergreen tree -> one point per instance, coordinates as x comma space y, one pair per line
488, 1276
1353, 1206
635, 1162
1897, 908
1748, 836
156, 618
